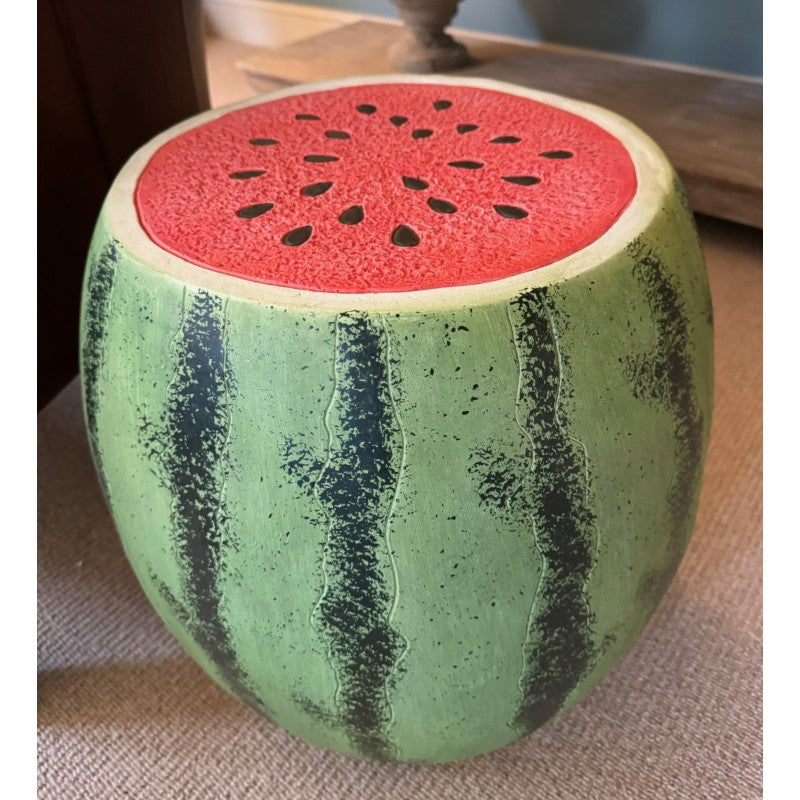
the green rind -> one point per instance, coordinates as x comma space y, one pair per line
98, 288
456, 593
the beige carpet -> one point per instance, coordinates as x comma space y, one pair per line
124, 714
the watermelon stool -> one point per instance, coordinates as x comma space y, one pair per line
399, 390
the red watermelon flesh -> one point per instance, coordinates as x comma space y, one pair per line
385, 188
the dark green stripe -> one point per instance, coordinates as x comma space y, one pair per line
544, 491
99, 287
356, 488
191, 449
560, 644
665, 379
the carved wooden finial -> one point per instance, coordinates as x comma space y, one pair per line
425, 47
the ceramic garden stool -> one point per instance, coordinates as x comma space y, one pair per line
399, 390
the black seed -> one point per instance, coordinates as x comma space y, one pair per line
556, 154
306, 116
522, 180
337, 135
263, 142
414, 183
298, 236
441, 105
366, 108
441, 206
465, 164
247, 173
505, 140
398, 121
249, 212
352, 216
466, 128
403, 236
315, 189
511, 212
315, 159
421, 133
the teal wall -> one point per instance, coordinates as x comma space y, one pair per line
717, 34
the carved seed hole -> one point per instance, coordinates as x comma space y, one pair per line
441, 206
352, 216
251, 212
466, 127
337, 134
404, 236
298, 236
421, 133
511, 212
319, 159
316, 189
465, 164
245, 174
441, 105
414, 183
306, 116
263, 142
556, 154
397, 121
522, 180
366, 108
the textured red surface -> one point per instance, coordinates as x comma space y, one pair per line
189, 203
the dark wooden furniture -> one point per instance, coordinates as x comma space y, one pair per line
110, 77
